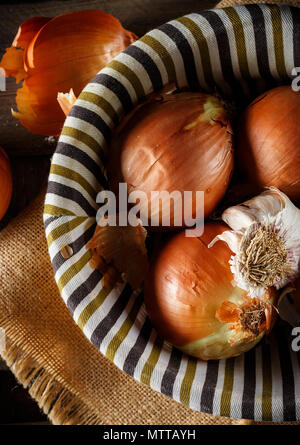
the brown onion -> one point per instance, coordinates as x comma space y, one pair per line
194, 304
268, 142
174, 142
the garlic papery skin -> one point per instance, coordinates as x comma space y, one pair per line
265, 240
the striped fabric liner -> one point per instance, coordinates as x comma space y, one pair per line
241, 51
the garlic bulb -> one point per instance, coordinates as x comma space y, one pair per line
265, 240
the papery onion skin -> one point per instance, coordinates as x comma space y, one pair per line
122, 247
5, 183
174, 142
268, 141
66, 101
56, 54
186, 287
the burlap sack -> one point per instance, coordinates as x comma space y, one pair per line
71, 381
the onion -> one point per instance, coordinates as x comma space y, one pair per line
174, 142
268, 142
5, 183
194, 304
56, 54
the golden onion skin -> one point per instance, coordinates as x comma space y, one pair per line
186, 285
171, 142
268, 142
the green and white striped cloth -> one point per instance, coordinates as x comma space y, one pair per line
240, 50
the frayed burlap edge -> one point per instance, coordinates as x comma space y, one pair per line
58, 403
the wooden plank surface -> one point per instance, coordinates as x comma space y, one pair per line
30, 154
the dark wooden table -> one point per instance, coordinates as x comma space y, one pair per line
30, 154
